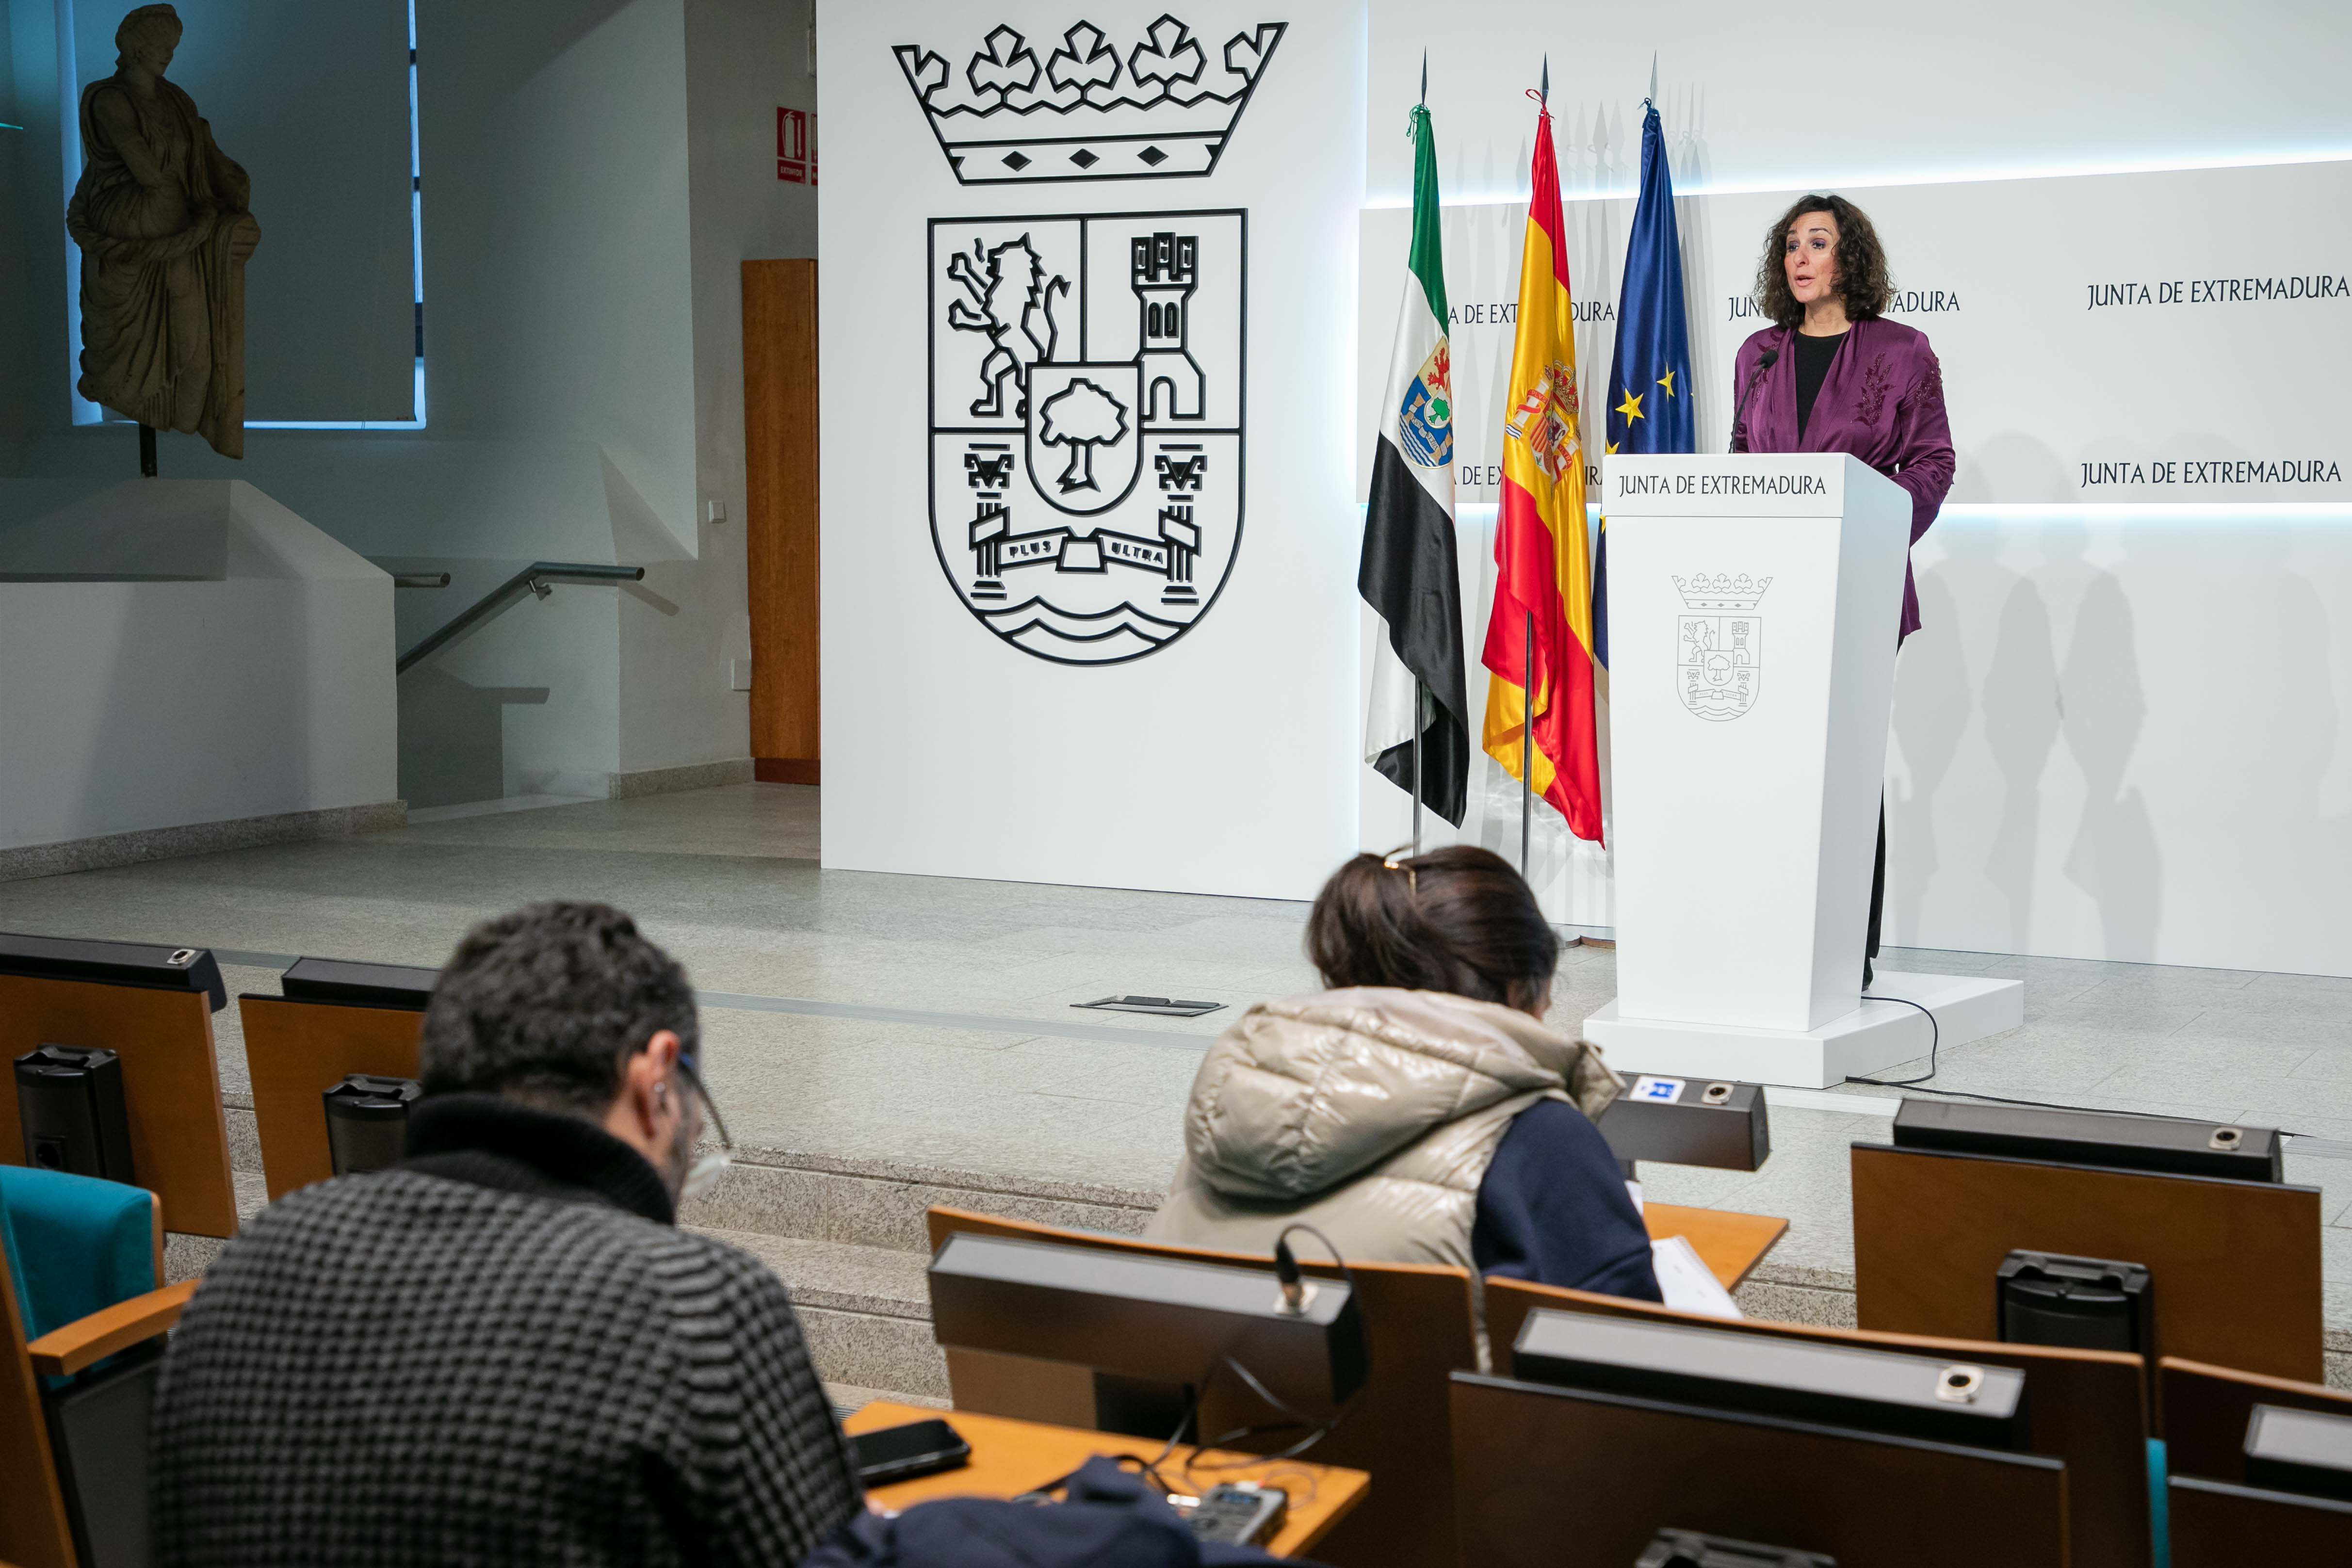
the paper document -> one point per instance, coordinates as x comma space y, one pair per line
1688, 1285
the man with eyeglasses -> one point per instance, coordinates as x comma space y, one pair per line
503, 1350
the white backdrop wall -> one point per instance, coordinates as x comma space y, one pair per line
1758, 100
1224, 762
2117, 736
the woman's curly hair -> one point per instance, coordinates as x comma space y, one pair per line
1862, 275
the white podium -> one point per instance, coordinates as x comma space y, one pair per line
1753, 606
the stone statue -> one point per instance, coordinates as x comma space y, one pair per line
160, 215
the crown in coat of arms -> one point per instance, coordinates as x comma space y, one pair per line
1086, 111
1722, 592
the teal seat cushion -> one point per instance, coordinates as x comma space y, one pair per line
76, 1245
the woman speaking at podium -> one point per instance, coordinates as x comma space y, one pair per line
1832, 374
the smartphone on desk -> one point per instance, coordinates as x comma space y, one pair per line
901, 1453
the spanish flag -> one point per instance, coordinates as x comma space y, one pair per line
1544, 571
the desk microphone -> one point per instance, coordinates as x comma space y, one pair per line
1295, 1293
1764, 361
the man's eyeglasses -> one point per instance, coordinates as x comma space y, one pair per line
711, 1162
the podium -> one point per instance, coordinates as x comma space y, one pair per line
1753, 608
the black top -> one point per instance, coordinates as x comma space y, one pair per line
1553, 1209
1814, 357
495, 1143
495, 1353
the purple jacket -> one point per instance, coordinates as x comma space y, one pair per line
1883, 401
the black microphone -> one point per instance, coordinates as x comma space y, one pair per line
1764, 361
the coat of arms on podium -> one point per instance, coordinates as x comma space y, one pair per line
1719, 667
1085, 424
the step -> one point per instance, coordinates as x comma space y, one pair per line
869, 1202
865, 1312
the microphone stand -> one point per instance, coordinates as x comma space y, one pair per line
1764, 361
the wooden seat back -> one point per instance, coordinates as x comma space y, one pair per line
1417, 1320
170, 1085
34, 1531
2234, 1265
1554, 1477
2086, 1407
2218, 1524
2201, 1412
296, 1052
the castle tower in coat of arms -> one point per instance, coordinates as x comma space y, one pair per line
1167, 270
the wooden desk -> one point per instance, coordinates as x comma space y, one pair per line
1009, 1458
1730, 1244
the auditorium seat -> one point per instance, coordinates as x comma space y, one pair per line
82, 1317
296, 1051
171, 1080
2086, 1407
1418, 1320
2201, 1412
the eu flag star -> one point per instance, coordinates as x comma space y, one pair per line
1667, 382
1632, 407
1611, 449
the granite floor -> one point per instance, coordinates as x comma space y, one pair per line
866, 1017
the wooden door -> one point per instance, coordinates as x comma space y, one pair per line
780, 464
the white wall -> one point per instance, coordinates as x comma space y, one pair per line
1224, 762
2122, 736
259, 686
744, 58
1763, 100
583, 391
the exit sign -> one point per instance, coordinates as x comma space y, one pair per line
796, 146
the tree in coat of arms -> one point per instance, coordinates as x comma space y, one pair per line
1085, 424
1719, 668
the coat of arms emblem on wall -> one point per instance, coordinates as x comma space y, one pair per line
1085, 424
1160, 110
1719, 667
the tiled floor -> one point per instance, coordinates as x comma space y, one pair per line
928, 1020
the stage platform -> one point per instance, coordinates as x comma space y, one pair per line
880, 1043
1901, 1017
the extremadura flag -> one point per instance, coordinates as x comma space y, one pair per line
1409, 573
1543, 584
1649, 375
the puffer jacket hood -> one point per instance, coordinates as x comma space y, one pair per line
1302, 1095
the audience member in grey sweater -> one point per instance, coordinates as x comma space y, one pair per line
503, 1351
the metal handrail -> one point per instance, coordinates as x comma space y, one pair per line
538, 578
420, 580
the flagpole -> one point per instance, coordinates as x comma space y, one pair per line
1527, 654
1420, 728
1526, 743
1420, 692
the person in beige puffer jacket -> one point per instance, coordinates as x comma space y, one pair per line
1418, 1110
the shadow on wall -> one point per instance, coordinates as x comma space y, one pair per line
453, 738
1934, 701
2270, 625
2102, 709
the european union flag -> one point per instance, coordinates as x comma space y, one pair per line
1649, 407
